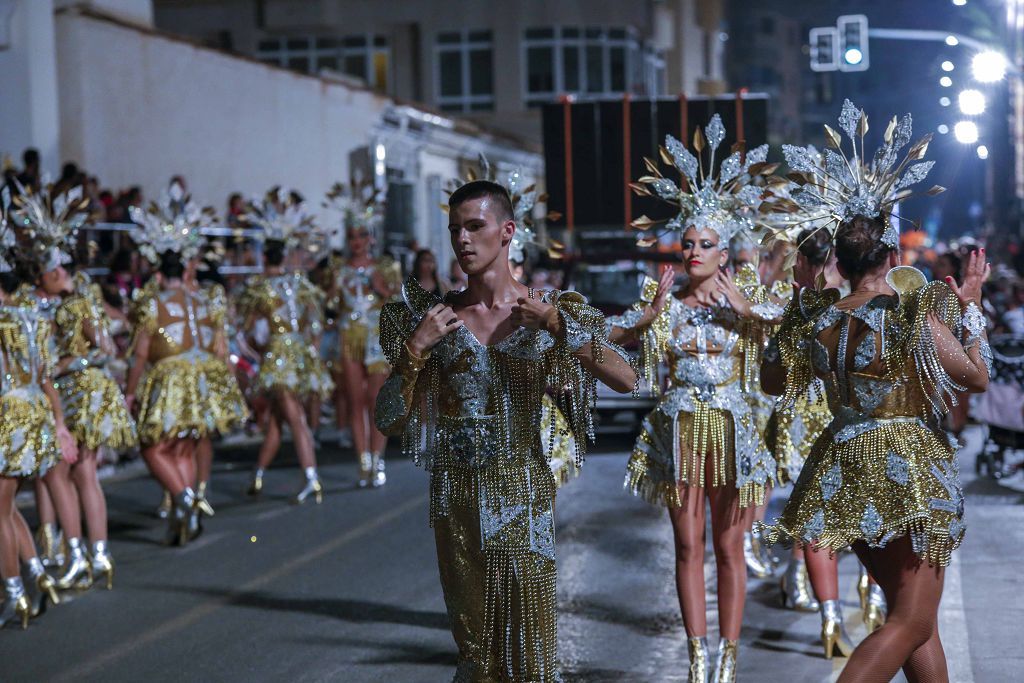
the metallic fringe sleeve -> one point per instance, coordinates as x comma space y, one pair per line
402, 405
143, 313
794, 342
934, 298
67, 317
652, 338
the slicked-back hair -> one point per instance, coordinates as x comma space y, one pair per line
501, 202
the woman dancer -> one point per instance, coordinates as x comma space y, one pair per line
290, 370
363, 283
701, 442
892, 354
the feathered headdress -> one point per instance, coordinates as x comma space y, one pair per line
726, 203
360, 204
49, 223
279, 215
524, 199
830, 188
173, 223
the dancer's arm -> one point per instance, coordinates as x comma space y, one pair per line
629, 326
139, 359
966, 360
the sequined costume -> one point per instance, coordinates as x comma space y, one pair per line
359, 307
883, 468
28, 441
226, 401
94, 408
713, 357
492, 489
176, 393
293, 309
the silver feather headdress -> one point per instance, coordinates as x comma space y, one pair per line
828, 189
360, 204
280, 216
524, 198
726, 203
173, 223
49, 223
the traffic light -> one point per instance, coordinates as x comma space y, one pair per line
824, 48
853, 42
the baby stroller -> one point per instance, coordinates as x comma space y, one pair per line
1002, 409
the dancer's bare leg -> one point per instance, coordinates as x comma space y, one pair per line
688, 530
94, 503
728, 522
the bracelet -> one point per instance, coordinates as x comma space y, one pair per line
416, 362
974, 324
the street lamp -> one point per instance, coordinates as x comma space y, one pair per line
943, 129
952, 41
959, 3
944, 101
989, 66
972, 102
966, 132
948, 65
982, 152
945, 81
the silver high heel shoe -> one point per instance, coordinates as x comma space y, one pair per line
163, 511
366, 473
15, 608
313, 488
874, 615
78, 573
725, 663
379, 476
795, 588
51, 543
699, 660
202, 504
102, 563
256, 485
183, 523
758, 565
41, 588
833, 632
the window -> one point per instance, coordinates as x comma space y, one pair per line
465, 71
363, 56
588, 62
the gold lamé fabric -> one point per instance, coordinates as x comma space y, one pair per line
28, 445
293, 309
883, 468
94, 408
359, 305
558, 442
791, 433
472, 414
704, 430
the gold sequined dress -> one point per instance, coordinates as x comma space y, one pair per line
713, 357
28, 441
359, 307
176, 393
293, 309
492, 488
883, 467
226, 401
94, 408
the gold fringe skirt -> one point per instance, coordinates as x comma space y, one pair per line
361, 344
690, 449
94, 410
28, 440
292, 364
896, 479
558, 443
227, 405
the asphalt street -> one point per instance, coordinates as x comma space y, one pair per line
348, 590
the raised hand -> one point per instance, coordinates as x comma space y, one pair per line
533, 314
727, 287
665, 283
438, 322
975, 274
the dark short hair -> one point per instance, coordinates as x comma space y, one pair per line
171, 265
815, 244
30, 156
273, 252
477, 189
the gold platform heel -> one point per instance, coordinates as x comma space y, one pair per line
698, 649
202, 504
16, 605
874, 615
366, 473
725, 663
51, 542
164, 509
795, 588
102, 563
41, 588
833, 632
863, 582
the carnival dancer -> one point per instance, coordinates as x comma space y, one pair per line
363, 283
892, 355
290, 370
701, 441
33, 437
469, 372
168, 372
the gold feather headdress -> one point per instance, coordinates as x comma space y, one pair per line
173, 223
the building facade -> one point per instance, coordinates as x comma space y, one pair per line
490, 62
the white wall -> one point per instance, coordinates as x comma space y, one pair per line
137, 11
28, 81
138, 107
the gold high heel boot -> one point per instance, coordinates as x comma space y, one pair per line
833, 633
102, 563
699, 664
365, 469
379, 476
256, 485
313, 488
795, 588
15, 607
78, 573
41, 588
863, 582
874, 615
725, 663
50, 541
202, 504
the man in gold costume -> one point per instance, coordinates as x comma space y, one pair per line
472, 369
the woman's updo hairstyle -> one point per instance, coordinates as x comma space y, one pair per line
859, 245
273, 252
171, 266
814, 245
